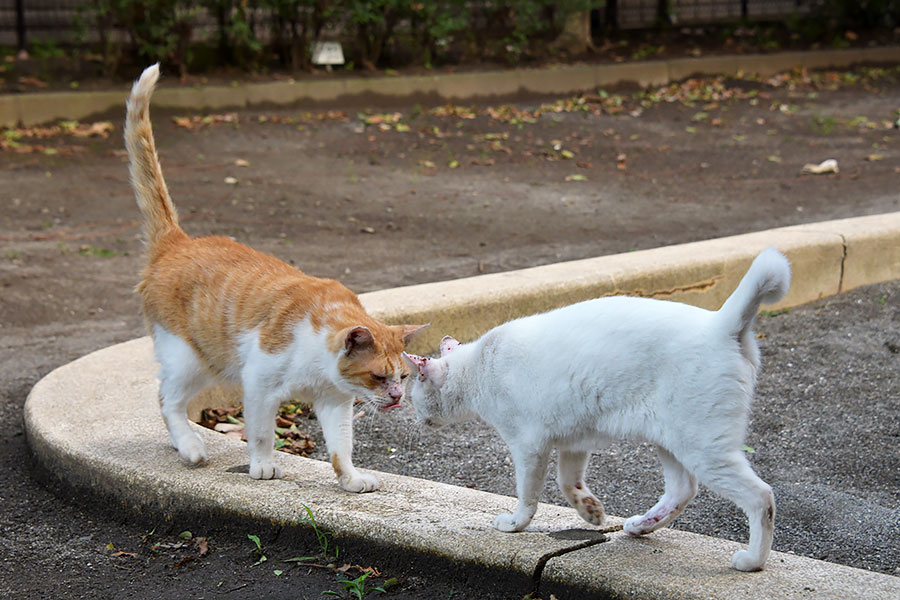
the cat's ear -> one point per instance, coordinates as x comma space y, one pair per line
448, 344
408, 332
414, 361
358, 339
432, 370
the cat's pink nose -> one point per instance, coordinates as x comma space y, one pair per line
395, 394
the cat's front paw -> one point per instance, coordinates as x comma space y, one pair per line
191, 449
360, 483
266, 470
742, 560
507, 523
635, 526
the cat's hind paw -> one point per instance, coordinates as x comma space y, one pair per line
266, 470
591, 510
742, 560
360, 483
508, 524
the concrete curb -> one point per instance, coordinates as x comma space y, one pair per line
827, 258
32, 109
113, 441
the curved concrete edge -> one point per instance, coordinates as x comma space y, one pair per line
35, 108
112, 439
826, 258
675, 564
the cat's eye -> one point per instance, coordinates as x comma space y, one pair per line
379, 378
404, 376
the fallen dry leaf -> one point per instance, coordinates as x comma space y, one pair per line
100, 129
32, 81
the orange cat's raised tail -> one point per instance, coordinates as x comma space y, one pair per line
160, 216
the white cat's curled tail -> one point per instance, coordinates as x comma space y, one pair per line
147, 180
766, 281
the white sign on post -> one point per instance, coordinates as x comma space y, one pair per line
327, 53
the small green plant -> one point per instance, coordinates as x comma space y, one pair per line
774, 313
824, 124
357, 588
257, 550
88, 250
46, 49
322, 537
646, 52
12, 254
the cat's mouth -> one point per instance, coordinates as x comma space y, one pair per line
390, 406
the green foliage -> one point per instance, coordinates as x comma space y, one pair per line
832, 19
160, 30
373, 31
357, 588
864, 14
525, 26
48, 49
823, 124
295, 24
326, 549
257, 550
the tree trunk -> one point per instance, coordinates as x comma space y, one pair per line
575, 37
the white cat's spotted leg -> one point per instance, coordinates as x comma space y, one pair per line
570, 478
181, 377
336, 417
733, 478
260, 409
681, 487
531, 470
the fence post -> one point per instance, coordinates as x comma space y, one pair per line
662, 13
611, 14
20, 28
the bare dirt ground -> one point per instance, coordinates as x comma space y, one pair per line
380, 200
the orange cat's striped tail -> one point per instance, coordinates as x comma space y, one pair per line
147, 180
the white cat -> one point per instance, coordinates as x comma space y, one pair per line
577, 377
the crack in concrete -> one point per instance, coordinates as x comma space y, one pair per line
844, 248
543, 560
701, 286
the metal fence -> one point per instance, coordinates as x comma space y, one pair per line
637, 14
55, 20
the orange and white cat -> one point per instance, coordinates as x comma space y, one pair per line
220, 312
